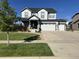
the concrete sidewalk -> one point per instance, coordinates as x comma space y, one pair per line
38, 57
20, 41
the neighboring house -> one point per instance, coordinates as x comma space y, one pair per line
75, 22
43, 19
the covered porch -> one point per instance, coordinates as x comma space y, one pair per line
34, 24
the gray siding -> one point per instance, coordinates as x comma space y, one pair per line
75, 22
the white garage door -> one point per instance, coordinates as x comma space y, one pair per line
48, 27
61, 27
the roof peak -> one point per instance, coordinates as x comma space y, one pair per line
35, 10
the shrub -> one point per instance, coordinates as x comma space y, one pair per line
36, 37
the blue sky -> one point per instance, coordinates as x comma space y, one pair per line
65, 8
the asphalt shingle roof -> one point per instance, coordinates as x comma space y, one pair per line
75, 15
35, 10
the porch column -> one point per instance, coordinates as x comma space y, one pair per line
57, 26
39, 26
29, 24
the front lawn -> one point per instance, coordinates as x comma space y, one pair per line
17, 36
34, 49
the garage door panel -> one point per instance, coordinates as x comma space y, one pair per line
61, 27
48, 27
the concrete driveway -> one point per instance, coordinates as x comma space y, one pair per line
63, 44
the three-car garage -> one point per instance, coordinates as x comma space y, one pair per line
53, 27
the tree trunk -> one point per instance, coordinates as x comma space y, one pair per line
8, 39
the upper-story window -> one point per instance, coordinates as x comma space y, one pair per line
26, 14
42, 14
51, 16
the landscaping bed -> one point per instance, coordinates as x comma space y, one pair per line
19, 36
33, 49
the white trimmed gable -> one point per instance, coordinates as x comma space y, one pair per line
26, 11
34, 18
45, 12
42, 10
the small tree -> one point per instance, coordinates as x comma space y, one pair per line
7, 16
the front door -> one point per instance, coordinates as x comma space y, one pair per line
34, 24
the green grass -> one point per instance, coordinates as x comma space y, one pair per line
16, 36
34, 49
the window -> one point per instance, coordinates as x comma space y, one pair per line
51, 16
42, 14
26, 14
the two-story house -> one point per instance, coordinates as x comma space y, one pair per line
42, 18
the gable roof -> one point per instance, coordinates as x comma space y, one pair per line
34, 16
75, 20
35, 10
74, 15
